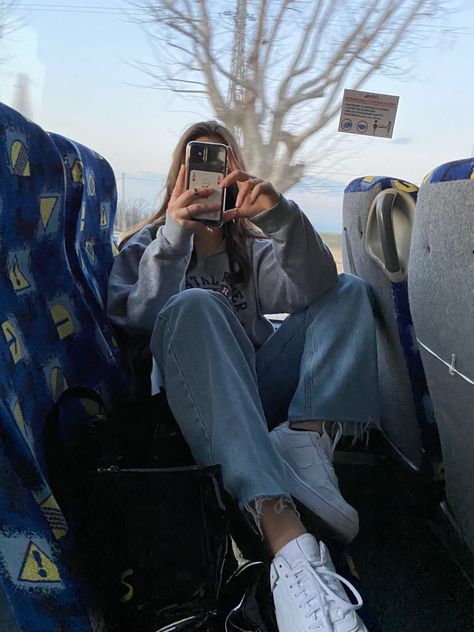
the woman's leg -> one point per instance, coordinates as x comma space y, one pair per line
208, 369
330, 374
339, 376
207, 365
321, 364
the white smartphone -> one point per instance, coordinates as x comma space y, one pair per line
206, 166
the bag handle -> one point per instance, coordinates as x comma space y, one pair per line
60, 470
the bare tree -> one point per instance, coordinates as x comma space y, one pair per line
130, 213
9, 20
274, 70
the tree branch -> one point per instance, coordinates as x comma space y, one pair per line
299, 52
330, 112
292, 72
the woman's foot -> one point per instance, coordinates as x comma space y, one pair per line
308, 593
308, 459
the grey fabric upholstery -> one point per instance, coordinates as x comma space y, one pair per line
398, 415
441, 286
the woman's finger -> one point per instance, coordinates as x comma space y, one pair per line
267, 189
192, 195
235, 176
246, 191
190, 211
261, 188
180, 182
229, 215
185, 217
196, 209
232, 160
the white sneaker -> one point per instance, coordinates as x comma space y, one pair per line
308, 458
308, 593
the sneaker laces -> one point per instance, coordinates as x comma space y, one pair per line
327, 446
337, 436
318, 603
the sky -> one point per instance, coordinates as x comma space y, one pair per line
81, 58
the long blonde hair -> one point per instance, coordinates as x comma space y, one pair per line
236, 233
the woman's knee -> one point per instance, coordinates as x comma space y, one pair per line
186, 315
357, 290
193, 300
350, 293
353, 285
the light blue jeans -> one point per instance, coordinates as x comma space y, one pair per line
320, 364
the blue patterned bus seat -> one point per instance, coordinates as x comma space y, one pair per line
46, 324
379, 183
451, 171
407, 414
88, 227
49, 340
35, 543
94, 226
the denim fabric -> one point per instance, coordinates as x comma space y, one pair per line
320, 364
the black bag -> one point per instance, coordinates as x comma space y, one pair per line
150, 538
152, 532
166, 542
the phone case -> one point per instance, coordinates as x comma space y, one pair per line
198, 176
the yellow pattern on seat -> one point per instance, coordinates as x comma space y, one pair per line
57, 382
38, 567
77, 172
20, 163
427, 177
54, 516
17, 278
20, 420
13, 340
104, 220
47, 206
405, 186
63, 321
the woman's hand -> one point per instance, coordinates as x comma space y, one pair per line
184, 206
255, 194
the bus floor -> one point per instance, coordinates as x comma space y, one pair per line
408, 575
412, 572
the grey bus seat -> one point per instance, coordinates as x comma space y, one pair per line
441, 284
378, 215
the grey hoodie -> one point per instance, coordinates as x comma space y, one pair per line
291, 269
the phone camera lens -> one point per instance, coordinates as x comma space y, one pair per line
198, 153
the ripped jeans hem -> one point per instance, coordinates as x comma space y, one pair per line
253, 509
